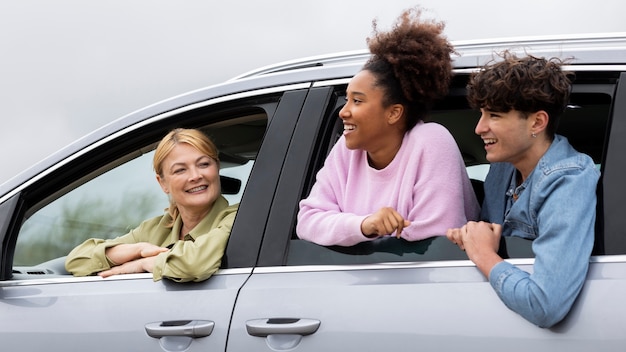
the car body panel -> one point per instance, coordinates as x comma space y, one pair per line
422, 305
95, 314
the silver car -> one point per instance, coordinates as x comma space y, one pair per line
274, 292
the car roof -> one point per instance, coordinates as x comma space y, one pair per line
586, 49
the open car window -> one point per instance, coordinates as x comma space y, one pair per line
584, 123
121, 197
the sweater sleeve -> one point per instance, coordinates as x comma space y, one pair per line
320, 218
443, 196
426, 183
88, 258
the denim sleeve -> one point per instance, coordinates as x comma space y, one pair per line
564, 206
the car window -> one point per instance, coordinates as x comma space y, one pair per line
127, 193
584, 123
105, 207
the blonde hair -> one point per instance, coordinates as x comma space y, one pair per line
194, 138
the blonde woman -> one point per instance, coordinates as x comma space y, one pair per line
187, 242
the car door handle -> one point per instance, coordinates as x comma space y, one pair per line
272, 326
189, 328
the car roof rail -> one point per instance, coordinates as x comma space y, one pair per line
340, 58
473, 48
590, 40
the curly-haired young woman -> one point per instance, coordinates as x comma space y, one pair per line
392, 174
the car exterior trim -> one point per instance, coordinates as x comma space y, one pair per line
414, 265
339, 57
591, 68
299, 268
332, 82
61, 279
619, 258
377, 266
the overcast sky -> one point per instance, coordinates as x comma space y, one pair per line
68, 67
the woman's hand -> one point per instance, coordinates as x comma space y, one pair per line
132, 258
123, 253
384, 222
150, 250
136, 266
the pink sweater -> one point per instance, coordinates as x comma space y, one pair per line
426, 183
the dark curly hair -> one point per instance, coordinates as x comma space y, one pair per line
527, 84
411, 63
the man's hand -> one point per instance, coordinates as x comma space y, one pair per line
384, 222
480, 238
481, 241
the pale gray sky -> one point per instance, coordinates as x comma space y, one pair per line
68, 67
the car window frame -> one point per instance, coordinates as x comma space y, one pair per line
611, 203
18, 206
518, 248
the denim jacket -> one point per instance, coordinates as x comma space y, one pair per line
555, 207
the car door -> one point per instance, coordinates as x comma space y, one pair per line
107, 191
392, 295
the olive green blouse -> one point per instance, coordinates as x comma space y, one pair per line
195, 258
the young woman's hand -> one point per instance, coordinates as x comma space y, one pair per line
385, 221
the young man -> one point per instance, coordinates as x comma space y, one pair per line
538, 187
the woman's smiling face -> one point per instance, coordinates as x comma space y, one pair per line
364, 116
191, 178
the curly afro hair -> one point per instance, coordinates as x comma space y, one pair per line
411, 63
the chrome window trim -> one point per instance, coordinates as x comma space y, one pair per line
557, 40
148, 121
295, 269
71, 279
413, 265
586, 68
379, 266
332, 82
617, 258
